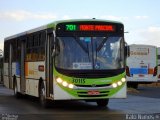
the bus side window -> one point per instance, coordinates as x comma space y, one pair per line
6, 50
42, 40
35, 47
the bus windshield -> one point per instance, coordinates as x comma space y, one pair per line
89, 53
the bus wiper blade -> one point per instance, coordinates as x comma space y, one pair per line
101, 45
81, 45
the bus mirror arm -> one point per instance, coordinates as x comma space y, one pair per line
53, 53
53, 49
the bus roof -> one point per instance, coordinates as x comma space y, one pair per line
53, 25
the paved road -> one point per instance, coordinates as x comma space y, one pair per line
148, 91
118, 109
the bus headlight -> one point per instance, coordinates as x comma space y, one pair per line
64, 83
59, 80
114, 85
123, 79
71, 86
119, 83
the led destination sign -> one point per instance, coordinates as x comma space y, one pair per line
73, 27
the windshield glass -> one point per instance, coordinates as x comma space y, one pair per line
98, 53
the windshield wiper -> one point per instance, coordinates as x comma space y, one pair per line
101, 45
81, 45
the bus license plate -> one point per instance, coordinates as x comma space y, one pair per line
93, 92
141, 75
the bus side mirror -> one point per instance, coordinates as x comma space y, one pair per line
55, 51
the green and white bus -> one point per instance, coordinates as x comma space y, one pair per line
68, 60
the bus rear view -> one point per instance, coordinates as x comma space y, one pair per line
141, 65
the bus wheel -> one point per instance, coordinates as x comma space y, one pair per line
42, 97
102, 102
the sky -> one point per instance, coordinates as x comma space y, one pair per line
141, 18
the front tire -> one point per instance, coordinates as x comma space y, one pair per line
102, 102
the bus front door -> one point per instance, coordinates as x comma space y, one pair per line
49, 65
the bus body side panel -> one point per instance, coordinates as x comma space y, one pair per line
13, 68
16, 72
13, 71
32, 87
6, 78
18, 84
33, 72
6, 74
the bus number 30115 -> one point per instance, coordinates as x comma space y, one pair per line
79, 80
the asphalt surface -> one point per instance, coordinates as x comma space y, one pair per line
142, 104
150, 92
